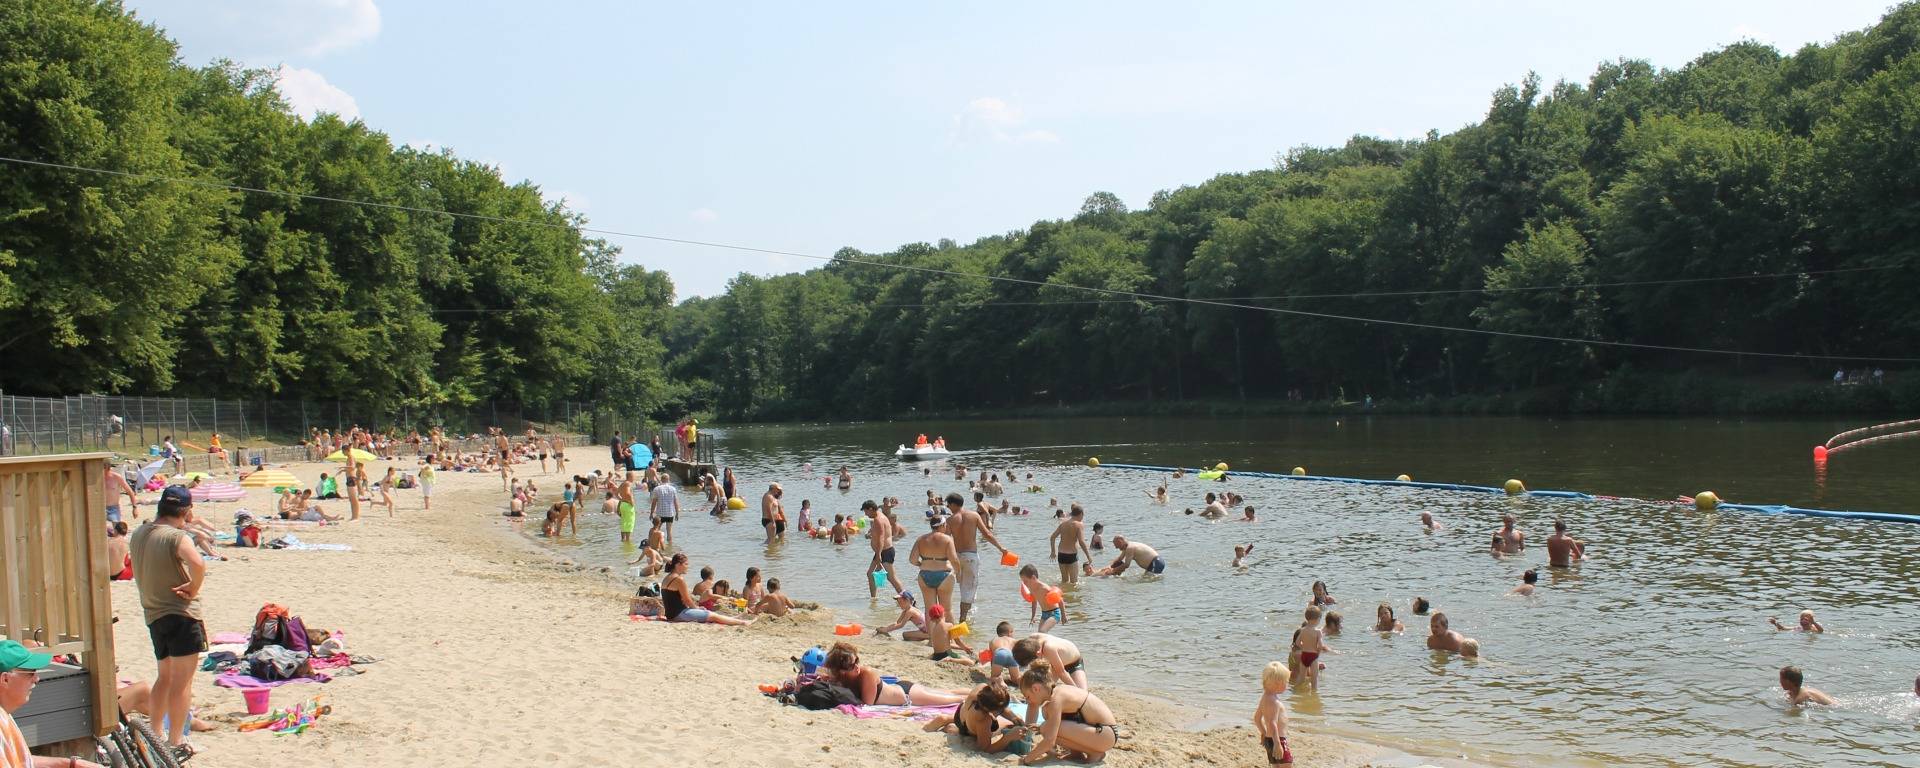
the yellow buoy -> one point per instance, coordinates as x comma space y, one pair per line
1299, 471
1706, 501
736, 503
1093, 462
1405, 478
1515, 487
1222, 466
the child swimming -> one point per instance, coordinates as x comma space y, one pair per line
1793, 681
1807, 624
1270, 716
1527, 581
1384, 620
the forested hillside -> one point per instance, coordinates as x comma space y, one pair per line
1613, 210
1800, 171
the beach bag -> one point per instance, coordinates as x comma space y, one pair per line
276, 663
816, 692
274, 626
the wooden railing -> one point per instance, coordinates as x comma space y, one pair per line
53, 564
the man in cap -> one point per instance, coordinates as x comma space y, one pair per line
169, 573
19, 671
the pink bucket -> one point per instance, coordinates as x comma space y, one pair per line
256, 699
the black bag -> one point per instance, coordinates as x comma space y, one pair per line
820, 694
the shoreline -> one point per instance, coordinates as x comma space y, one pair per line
490, 644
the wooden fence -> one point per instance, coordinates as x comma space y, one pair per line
53, 560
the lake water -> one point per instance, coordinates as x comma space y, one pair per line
1655, 651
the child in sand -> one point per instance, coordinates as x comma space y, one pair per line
774, 603
703, 591
1270, 717
1310, 641
1807, 624
1036, 592
1793, 681
908, 615
940, 635
1000, 653
750, 590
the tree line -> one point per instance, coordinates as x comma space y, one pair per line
1638, 189
1608, 210
135, 283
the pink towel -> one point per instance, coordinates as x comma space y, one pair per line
223, 638
330, 662
876, 711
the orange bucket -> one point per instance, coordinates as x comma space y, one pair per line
847, 629
1009, 559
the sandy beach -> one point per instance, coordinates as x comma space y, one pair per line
492, 651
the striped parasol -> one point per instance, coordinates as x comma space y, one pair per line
218, 491
271, 478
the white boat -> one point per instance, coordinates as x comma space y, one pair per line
928, 451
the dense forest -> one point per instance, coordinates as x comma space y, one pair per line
132, 283
1613, 210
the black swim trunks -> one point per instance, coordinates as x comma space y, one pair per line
175, 635
1069, 558
886, 555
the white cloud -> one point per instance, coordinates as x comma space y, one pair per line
311, 94
299, 27
1000, 121
704, 215
1744, 32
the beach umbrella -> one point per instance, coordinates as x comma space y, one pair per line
271, 478
357, 454
218, 491
147, 472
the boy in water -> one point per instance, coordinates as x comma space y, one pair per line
1807, 624
1270, 717
1527, 581
1793, 681
1311, 642
1240, 552
839, 533
1470, 648
1037, 592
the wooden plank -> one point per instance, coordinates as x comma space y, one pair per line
11, 610
99, 654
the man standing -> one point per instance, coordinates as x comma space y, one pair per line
169, 573
880, 535
966, 526
1512, 539
19, 672
1068, 543
1562, 549
112, 486
618, 448
773, 514
665, 506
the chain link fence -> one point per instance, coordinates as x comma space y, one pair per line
138, 425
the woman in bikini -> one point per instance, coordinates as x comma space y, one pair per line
934, 554
1075, 720
843, 664
984, 721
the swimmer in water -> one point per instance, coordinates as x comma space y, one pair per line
1793, 681
1563, 550
1470, 648
1511, 538
1384, 620
1240, 552
1320, 594
1427, 522
1249, 516
1159, 495
1420, 606
1440, 637
1807, 624
1527, 581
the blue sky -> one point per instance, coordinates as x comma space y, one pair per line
811, 126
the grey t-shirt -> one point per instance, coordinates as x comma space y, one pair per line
666, 501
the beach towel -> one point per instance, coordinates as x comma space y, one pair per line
234, 679
893, 712
330, 662
223, 638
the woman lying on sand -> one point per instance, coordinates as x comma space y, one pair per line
843, 665
983, 718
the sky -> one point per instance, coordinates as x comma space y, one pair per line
807, 127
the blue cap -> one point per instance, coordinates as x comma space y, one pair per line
176, 496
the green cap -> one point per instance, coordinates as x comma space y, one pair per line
14, 656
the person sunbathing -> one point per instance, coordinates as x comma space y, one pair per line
843, 666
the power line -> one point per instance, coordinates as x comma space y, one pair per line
1130, 295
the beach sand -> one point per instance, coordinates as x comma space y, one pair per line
493, 651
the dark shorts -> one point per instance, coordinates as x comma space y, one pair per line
886, 555
944, 655
1069, 558
1157, 566
175, 635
